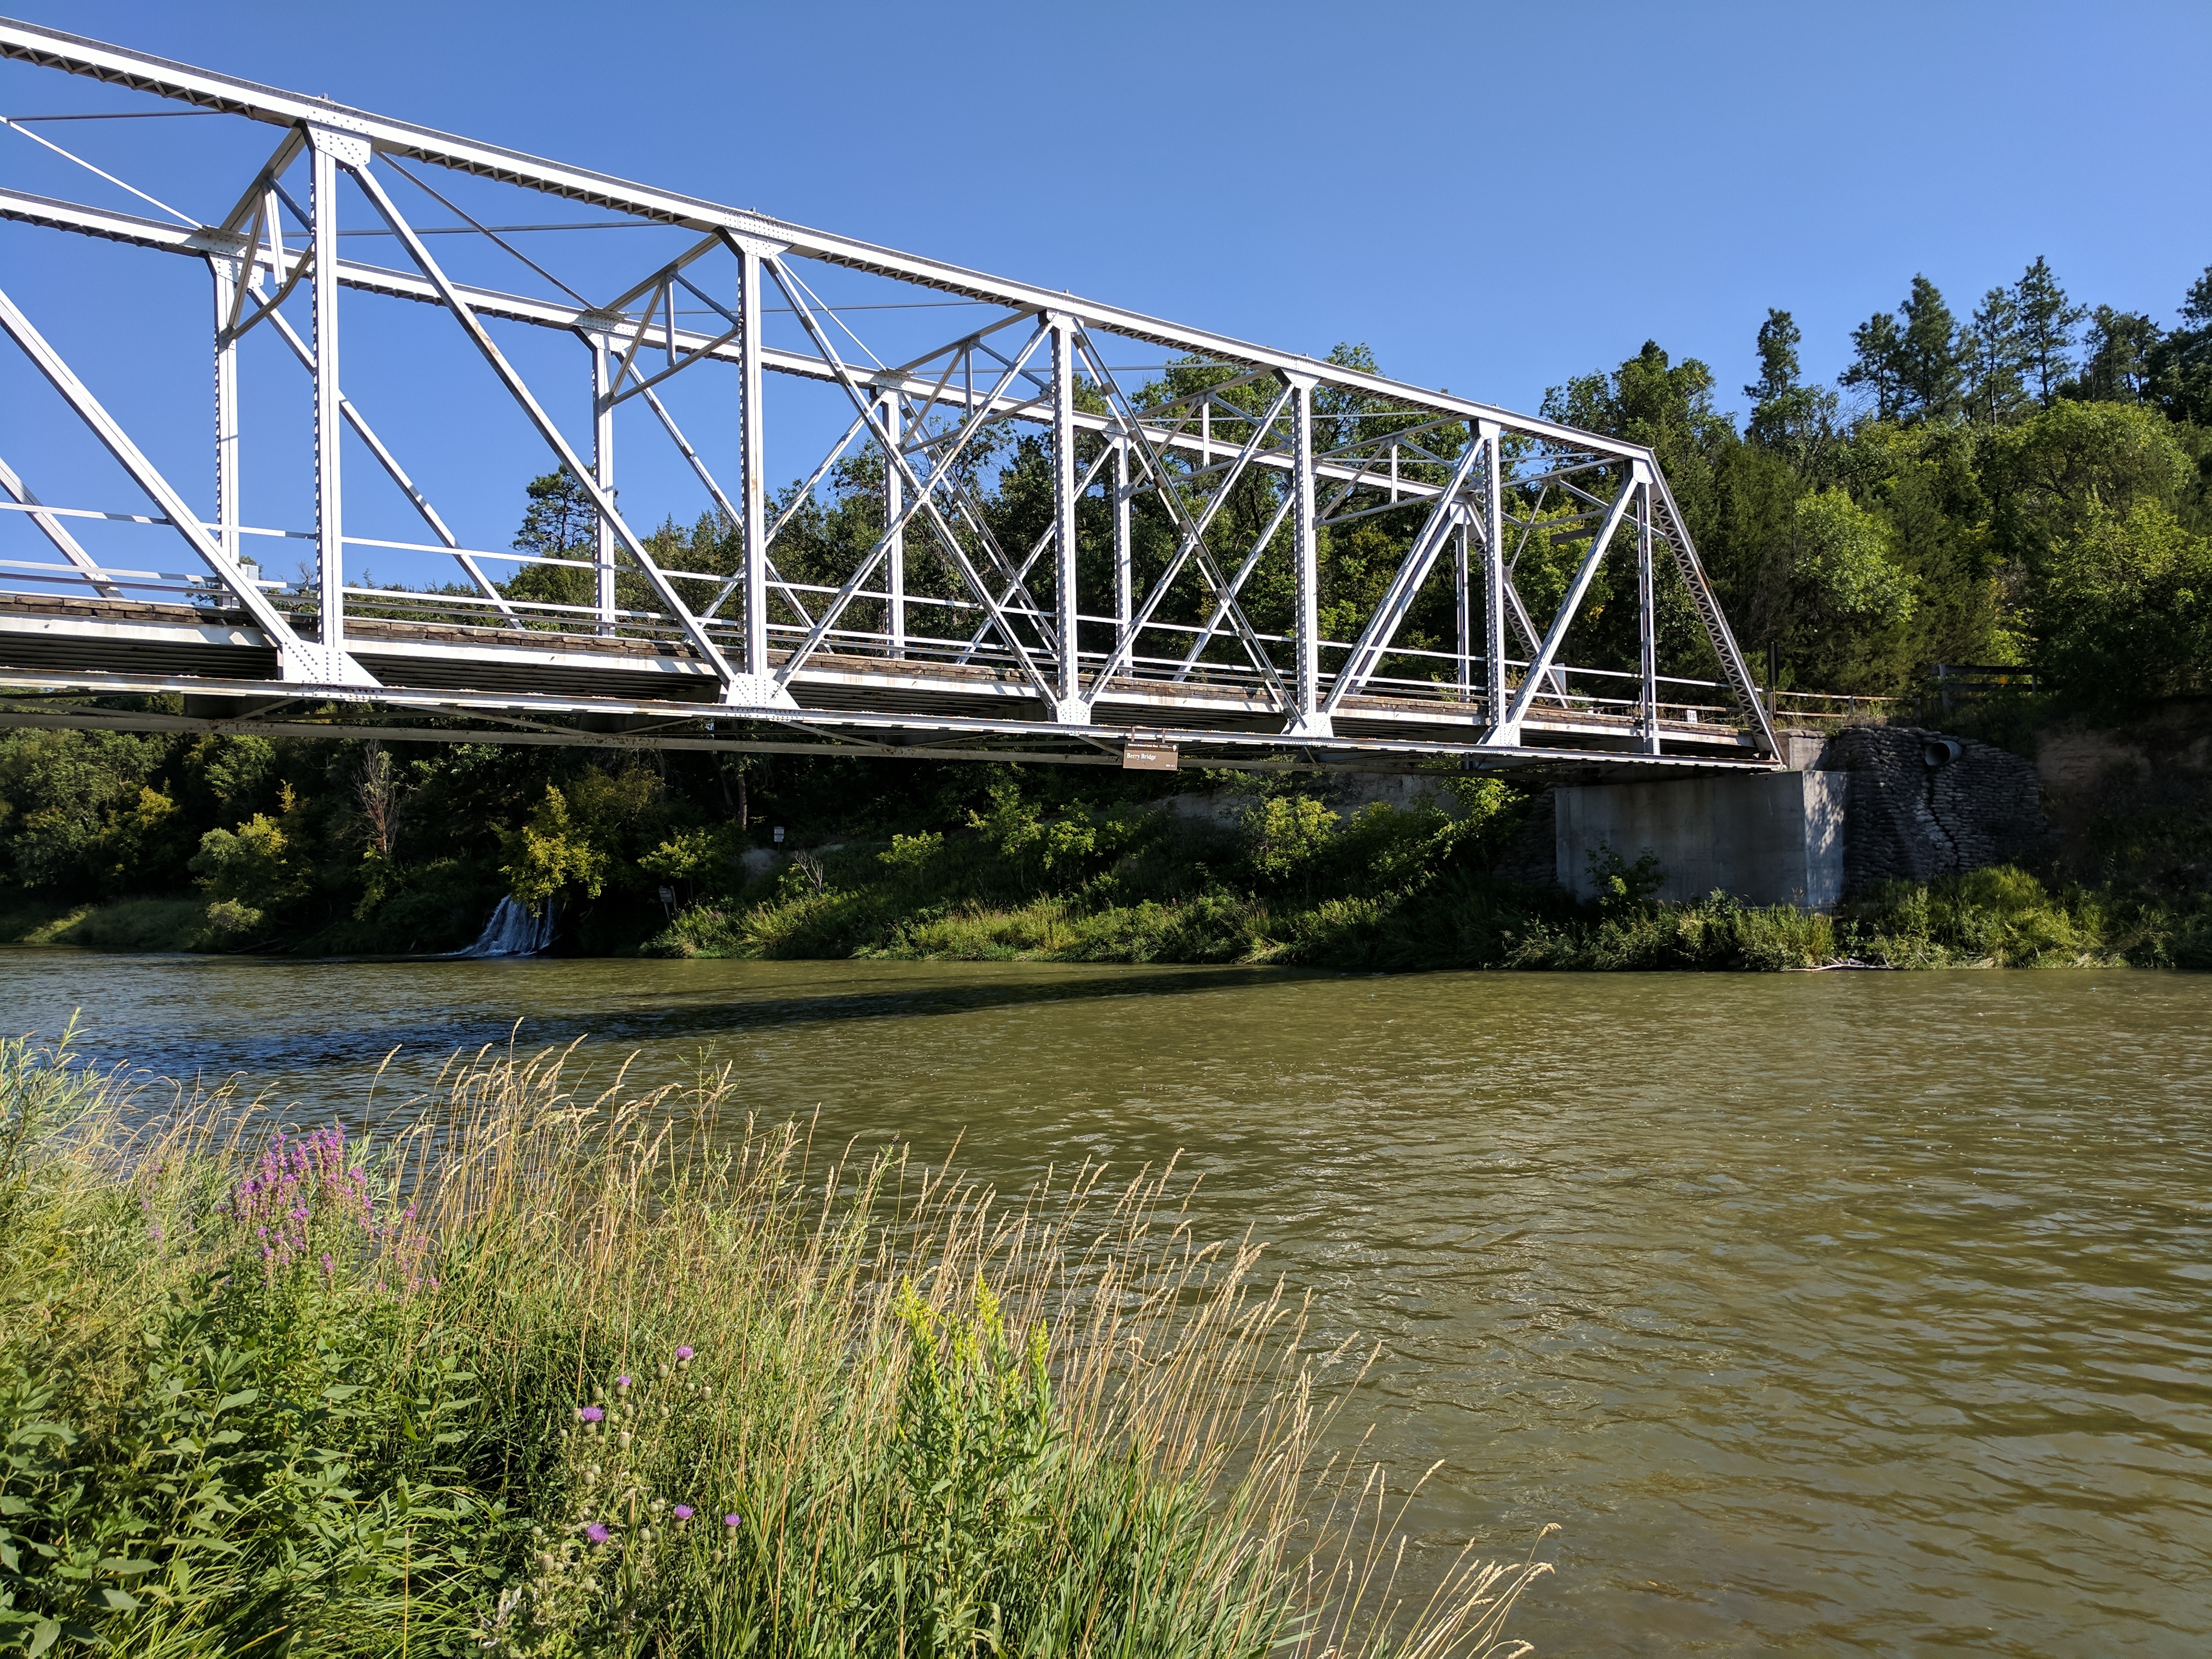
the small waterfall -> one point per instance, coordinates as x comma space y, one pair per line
513, 931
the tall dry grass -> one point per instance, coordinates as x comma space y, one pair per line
538, 1368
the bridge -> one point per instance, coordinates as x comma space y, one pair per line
1167, 606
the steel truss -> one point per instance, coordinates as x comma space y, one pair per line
1031, 650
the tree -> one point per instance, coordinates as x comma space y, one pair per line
1928, 372
2116, 369
1876, 350
2047, 322
559, 522
1995, 359
1786, 415
551, 851
2075, 465
2179, 367
1851, 602
2127, 608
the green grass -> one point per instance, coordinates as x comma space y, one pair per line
2002, 917
139, 924
2006, 917
443, 1391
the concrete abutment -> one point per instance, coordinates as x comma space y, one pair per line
1867, 804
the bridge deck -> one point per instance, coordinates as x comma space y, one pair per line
58, 644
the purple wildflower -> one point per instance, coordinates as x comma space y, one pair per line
733, 1520
590, 1414
596, 1532
623, 1381
684, 1512
682, 1356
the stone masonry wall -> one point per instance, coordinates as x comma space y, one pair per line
1922, 804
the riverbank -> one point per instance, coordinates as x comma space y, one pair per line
1421, 871
2002, 917
544, 1374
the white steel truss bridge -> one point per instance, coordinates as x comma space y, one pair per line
1172, 592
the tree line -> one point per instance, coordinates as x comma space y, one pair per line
2029, 487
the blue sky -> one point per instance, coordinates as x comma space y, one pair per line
1493, 198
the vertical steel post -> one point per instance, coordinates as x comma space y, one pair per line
894, 505
329, 499
602, 471
753, 484
1069, 682
1463, 598
228, 273
1306, 717
1647, 613
1124, 571
1493, 582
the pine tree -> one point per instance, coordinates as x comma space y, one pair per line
1875, 364
1786, 414
2179, 366
559, 521
2116, 368
2047, 322
1928, 372
1995, 361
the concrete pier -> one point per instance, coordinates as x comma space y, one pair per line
1775, 838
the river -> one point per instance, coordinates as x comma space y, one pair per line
1840, 1313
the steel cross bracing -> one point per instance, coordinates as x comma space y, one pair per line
1182, 590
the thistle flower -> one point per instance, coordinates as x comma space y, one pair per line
683, 1511
733, 1519
684, 1356
622, 1383
589, 1413
596, 1532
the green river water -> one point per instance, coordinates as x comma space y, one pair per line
1841, 1313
